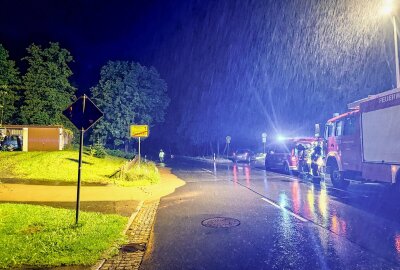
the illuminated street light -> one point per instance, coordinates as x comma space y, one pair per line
388, 9
280, 138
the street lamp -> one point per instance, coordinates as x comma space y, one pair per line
388, 9
264, 140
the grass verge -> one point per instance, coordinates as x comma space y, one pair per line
57, 166
40, 236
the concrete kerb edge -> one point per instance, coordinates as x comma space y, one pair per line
131, 219
133, 216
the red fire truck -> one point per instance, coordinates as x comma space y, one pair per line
364, 143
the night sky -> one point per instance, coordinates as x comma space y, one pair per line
234, 68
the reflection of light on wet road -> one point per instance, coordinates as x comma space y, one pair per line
310, 202
286, 225
265, 180
397, 243
338, 225
322, 198
323, 203
215, 169
296, 197
335, 224
235, 178
247, 174
283, 200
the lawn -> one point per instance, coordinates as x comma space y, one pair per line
39, 236
58, 166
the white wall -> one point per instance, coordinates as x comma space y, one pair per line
381, 135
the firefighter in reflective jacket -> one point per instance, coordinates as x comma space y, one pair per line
316, 161
161, 155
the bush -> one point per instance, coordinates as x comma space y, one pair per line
146, 173
100, 151
97, 150
119, 153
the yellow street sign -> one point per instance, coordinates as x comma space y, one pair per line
139, 131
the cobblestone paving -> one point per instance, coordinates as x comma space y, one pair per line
138, 237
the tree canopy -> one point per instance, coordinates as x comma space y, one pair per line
128, 93
47, 89
9, 83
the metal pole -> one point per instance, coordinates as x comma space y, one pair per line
139, 151
79, 178
396, 52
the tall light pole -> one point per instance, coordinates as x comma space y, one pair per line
388, 9
396, 51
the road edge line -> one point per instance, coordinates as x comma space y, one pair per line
284, 209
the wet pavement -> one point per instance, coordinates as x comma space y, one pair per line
285, 222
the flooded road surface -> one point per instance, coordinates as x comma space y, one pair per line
285, 222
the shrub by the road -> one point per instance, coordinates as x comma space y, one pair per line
139, 175
41, 237
121, 154
97, 150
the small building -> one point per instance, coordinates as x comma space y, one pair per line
37, 138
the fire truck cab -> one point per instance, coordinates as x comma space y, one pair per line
364, 143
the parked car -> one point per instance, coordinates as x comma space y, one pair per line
244, 155
286, 155
11, 143
260, 157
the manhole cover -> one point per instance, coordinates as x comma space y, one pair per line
220, 222
133, 247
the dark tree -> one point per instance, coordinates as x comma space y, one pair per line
47, 89
9, 83
128, 93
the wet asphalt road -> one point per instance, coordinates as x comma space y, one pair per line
285, 222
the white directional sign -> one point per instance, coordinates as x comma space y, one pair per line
264, 137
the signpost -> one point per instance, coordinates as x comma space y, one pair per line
228, 141
139, 131
264, 140
83, 113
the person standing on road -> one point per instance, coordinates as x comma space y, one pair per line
161, 155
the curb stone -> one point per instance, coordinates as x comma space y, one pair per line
138, 236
